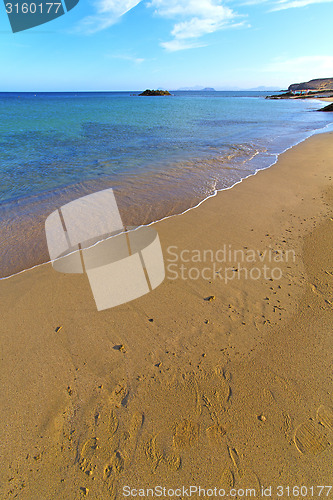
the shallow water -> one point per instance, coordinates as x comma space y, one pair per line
161, 155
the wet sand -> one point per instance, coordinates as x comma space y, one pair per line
174, 389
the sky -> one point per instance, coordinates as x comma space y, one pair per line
106, 45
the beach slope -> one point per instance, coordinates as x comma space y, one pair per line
218, 378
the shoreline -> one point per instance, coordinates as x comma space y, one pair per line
275, 158
82, 417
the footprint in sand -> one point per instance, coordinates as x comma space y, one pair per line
88, 450
215, 393
207, 394
157, 457
233, 453
215, 434
309, 439
111, 449
113, 423
123, 455
153, 453
325, 416
128, 442
111, 472
287, 427
234, 472
173, 461
227, 478
185, 433
115, 466
119, 396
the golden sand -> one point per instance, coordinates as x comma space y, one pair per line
233, 392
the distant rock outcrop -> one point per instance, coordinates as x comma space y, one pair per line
327, 108
318, 84
149, 92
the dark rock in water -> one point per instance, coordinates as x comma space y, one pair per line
155, 92
286, 95
308, 94
327, 108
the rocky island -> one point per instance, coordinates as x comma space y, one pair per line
149, 92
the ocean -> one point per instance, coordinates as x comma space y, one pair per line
162, 155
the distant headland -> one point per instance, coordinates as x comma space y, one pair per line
319, 87
196, 89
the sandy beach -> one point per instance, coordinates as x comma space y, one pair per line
220, 378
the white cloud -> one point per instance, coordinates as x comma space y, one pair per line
285, 4
124, 57
175, 45
195, 19
195, 27
201, 8
301, 69
108, 12
253, 2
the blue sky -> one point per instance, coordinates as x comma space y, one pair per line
133, 45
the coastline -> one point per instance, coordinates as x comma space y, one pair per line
36, 253
237, 362
153, 190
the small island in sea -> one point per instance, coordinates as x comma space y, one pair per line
149, 92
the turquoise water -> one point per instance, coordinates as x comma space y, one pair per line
161, 154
